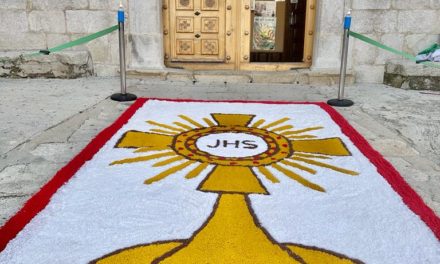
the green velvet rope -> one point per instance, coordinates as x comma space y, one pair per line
384, 47
77, 41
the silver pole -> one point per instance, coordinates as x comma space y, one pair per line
340, 101
343, 69
122, 58
123, 96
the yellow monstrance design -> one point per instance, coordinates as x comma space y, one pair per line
232, 233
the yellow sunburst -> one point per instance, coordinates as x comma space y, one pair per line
293, 152
232, 233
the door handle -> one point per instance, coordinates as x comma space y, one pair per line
197, 13
197, 35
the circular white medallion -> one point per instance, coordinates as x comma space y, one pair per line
232, 145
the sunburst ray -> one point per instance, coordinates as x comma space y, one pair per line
325, 165
168, 172
208, 121
191, 121
148, 149
282, 128
298, 178
166, 132
298, 166
300, 131
268, 174
144, 158
166, 126
275, 123
304, 155
197, 171
183, 125
168, 161
258, 123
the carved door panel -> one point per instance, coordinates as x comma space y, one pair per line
197, 30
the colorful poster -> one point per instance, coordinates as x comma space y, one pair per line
264, 25
264, 33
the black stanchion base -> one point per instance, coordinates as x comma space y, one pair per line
340, 102
120, 97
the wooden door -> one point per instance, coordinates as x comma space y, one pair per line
197, 30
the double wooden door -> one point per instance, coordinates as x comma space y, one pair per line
197, 30
217, 34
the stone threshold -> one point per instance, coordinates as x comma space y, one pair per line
409, 75
295, 76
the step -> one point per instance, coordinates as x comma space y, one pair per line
63, 65
297, 76
409, 75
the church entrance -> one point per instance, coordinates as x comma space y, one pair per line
238, 34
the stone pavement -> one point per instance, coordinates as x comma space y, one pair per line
46, 122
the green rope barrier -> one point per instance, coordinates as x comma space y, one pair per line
77, 41
395, 51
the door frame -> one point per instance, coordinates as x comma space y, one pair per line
238, 25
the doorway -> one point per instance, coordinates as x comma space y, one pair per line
271, 35
278, 31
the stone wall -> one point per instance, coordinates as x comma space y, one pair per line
409, 25
41, 24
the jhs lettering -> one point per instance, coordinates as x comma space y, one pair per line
246, 144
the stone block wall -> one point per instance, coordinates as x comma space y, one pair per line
29, 25
408, 25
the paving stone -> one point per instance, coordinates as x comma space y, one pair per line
24, 179
393, 148
407, 169
56, 152
10, 205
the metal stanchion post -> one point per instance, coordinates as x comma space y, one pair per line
340, 101
123, 95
